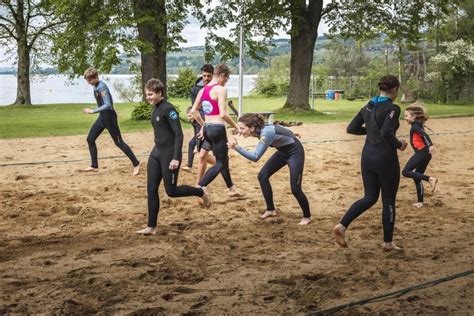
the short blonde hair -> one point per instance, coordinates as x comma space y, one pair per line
91, 72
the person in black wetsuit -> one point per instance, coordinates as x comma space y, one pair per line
420, 141
107, 120
289, 152
165, 158
379, 120
194, 142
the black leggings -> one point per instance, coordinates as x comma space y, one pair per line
217, 136
158, 169
191, 145
380, 172
293, 156
415, 169
108, 121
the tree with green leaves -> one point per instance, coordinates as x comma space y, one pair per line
25, 30
402, 22
261, 20
100, 33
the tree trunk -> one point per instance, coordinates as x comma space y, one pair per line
23, 94
153, 53
304, 31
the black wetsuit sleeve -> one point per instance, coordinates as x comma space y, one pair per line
426, 138
173, 120
389, 127
356, 127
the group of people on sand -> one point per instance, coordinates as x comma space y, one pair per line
378, 120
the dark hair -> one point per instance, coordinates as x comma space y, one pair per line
156, 86
222, 69
253, 120
207, 68
417, 109
388, 82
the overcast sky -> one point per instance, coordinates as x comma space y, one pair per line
193, 34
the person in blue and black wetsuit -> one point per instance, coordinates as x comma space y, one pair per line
379, 120
107, 120
420, 141
165, 158
289, 152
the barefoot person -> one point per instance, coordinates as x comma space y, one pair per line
107, 120
379, 163
423, 146
290, 152
165, 158
212, 99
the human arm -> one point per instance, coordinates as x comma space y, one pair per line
356, 127
389, 127
173, 120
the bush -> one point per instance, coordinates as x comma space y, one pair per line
181, 86
142, 112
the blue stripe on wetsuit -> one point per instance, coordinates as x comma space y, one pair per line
103, 97
270, 136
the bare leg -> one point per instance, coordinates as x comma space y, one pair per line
339, 234
202, 165
147, 231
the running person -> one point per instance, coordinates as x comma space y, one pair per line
212, 99
423, 146
107, 120
165, 158
289, 152
379, 162
194, 143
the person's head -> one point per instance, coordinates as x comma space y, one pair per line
251, 124
389, 86
154, 91
222, 74
207, 72
416, 113
188, 113
91, 75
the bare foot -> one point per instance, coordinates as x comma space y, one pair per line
389, 246
206, 199
234, 193
89, 169
305, 221
418, 204
339, 234
186, 168
433, 182
147, 231
268, 214
136, 169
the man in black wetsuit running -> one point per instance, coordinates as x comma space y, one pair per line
107, 120
165, 158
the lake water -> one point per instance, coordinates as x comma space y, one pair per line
60, 89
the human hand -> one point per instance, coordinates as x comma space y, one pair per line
87, 111
200, 134
174, 164
432, 150
404, 145
232, 144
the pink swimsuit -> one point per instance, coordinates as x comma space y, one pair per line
209, 106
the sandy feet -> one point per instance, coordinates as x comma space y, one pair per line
418, 204
206, 199
233, 192
389, 246
433, 182
268, 214
305, 221
186, 168
339, 235
149, 231
89, 169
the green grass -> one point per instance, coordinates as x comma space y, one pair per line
68, 119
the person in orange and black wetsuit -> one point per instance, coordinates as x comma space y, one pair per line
420, 141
